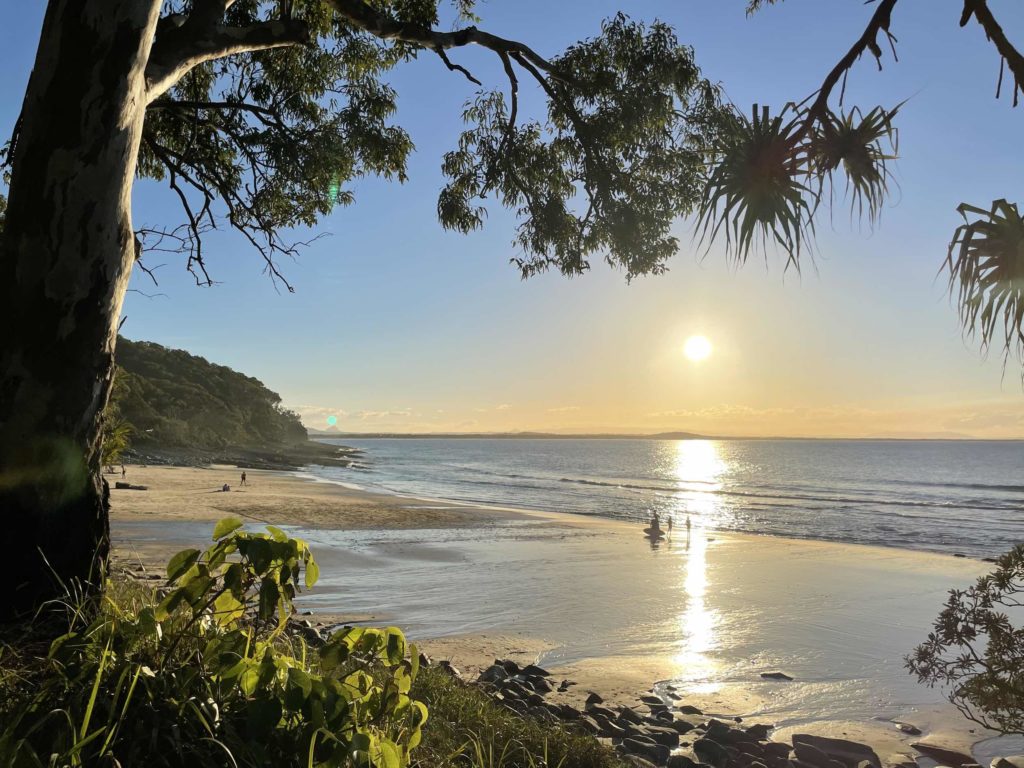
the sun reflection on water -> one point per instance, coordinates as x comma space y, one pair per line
697, 622
698, 468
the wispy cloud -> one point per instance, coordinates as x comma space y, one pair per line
564, 409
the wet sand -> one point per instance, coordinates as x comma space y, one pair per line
596, 604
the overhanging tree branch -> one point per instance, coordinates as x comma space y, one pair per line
868, 41
1009, 55
379, 24
179, 49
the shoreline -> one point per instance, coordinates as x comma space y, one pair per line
416, 536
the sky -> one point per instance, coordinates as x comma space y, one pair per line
396, 325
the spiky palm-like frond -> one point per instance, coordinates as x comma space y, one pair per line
769, 175
986, 273
856, 143
756, 191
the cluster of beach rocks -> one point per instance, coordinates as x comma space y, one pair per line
666, 732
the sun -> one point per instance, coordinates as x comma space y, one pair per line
697, 348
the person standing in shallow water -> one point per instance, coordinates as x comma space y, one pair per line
243, 478
669, 525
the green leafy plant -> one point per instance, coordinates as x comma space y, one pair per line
208, 674
976, 651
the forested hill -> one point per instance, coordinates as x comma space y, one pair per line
175, 399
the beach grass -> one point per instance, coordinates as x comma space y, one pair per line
467, 728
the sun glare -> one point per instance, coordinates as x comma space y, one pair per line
697, 348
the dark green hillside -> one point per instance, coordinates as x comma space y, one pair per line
176, 399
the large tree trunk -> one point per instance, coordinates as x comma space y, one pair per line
65, 257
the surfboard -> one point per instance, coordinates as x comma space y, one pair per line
654, 533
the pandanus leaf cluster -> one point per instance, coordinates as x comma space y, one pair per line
768, 175
986, 273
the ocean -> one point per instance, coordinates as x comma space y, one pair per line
952, 497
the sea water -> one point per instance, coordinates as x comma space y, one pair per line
953, 497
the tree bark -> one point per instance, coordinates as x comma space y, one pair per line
65, 258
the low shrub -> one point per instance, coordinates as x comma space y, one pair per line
203, 673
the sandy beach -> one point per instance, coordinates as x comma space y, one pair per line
700, 616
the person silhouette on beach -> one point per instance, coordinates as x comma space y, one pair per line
669, 526
124, 472
243, 478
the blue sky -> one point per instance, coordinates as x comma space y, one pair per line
398, 325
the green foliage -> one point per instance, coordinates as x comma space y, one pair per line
116, 431
617, 160
977, 652
467, 727
173, 398
207, 675
986, 273
771, 174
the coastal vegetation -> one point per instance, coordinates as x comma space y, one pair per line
206, 671
262, 114
976, 652
171, 398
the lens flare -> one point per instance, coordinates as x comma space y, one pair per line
332, 420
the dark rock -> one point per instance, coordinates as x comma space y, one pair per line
775, 676
447, 667
665, 736
564, 685
493, 674
510, 666
630, 716
639, 762
942, 755
424, 660
759, 731
682, 726
588, 724
511, 687
778, 749
751, 748
569, 713
535, 700
910, 730
716, 729
711, 752
665, 717
532, 670
656, 753
849, 752
811, 755
655, 700
680, 761
688, 709
516, 705
1010, 761
593, 699
610, 729
603, 712
541, 685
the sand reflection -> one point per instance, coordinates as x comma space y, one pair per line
698, 624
